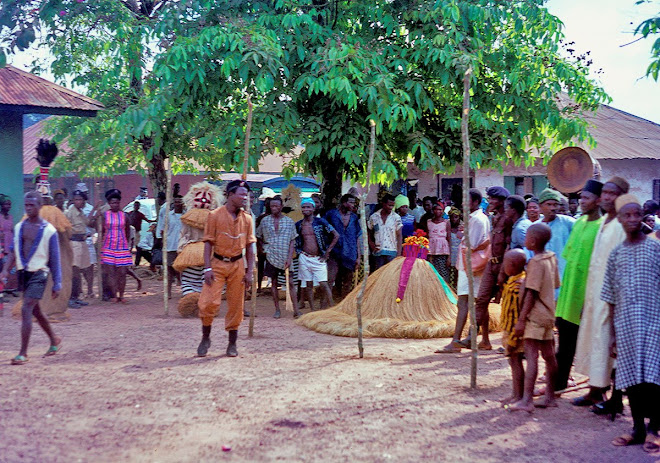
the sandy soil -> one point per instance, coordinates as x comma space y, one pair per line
127, 387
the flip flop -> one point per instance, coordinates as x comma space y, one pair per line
651, 444
626, 440
451, 348
54, 349
19, 360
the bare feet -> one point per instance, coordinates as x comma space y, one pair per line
521, 406
545, 403
510, 400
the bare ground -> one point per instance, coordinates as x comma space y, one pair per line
127, 387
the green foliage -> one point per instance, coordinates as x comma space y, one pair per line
174, 77
650, 28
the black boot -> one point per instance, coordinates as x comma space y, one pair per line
206, 342
231, 347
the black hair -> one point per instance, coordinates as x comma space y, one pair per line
516, 202
533, 199
387, 198
277, 198
433, 199
34, 195
475, 195
80, 193
113, 194
345, 198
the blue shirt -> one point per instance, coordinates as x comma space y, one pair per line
346, 250
408, 222
561, 228
321, 229
519, 232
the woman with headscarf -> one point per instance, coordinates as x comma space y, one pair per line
115, 252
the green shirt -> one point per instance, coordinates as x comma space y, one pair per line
577, 253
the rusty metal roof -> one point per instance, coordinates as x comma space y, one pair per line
22, 89
620, 135
31, 137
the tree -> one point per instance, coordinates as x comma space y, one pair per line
651, 27
175, 76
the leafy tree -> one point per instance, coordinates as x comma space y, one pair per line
175, 76
650, 28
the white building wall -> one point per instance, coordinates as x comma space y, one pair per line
640, 173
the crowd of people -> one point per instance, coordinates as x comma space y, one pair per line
583, 271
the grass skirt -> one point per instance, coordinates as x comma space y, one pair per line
425, 311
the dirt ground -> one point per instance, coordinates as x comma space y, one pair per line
127, 387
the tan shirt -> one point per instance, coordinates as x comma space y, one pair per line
229, 236
78, 220
543, 276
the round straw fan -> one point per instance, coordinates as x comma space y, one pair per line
570, 168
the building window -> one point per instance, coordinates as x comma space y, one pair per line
656, 189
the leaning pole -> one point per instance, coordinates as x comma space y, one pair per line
465, 136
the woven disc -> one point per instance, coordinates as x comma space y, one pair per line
569, 169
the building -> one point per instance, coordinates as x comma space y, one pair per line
627, 146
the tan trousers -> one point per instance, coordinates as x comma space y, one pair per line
231, 273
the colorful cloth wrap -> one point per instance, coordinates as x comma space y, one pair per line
412, 252
511, 307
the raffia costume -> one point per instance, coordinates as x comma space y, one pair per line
200, 200
406, 298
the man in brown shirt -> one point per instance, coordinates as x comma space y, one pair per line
499, 242
228, 232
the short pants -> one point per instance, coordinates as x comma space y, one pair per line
33, 284
311, 268
538, 332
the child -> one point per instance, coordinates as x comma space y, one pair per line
36, 253
535, 324
514, 268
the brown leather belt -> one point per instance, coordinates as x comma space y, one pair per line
227, 259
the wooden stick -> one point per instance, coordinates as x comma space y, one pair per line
246, 155
363, 225
465, 136
166, 272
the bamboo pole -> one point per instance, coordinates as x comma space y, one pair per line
246, 155
363, 225
168, 201
465, 136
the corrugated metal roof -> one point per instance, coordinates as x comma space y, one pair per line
621, 135
20, 88
31, 137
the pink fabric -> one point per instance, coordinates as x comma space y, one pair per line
406, 269
6, 233
438, 244
115, 249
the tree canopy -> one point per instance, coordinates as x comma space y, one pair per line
651, 28
174, 76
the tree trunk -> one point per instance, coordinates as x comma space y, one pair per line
331, 185
157, 174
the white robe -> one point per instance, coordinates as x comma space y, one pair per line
592, 356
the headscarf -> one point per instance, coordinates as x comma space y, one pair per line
309, 201
401, 200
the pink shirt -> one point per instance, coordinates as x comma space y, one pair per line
438, 244
6, 233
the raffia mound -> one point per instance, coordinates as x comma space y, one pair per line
425, 311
